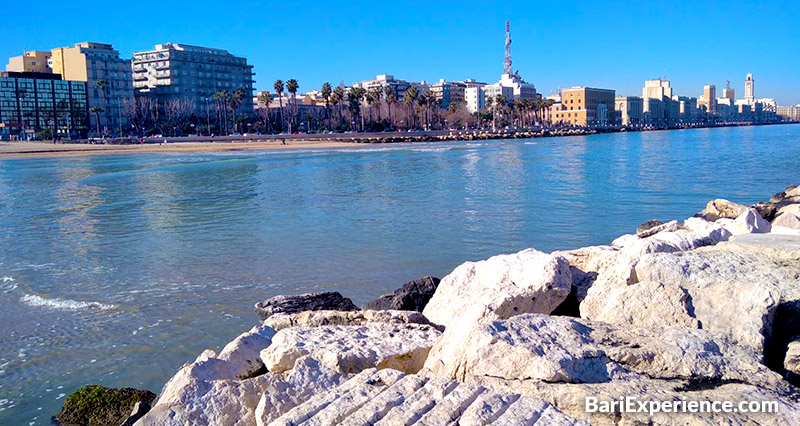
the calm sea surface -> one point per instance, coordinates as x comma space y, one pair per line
116, 269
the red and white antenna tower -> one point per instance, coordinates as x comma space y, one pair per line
507, 62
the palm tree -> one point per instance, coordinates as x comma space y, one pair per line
326, 94
499, 104
336, 98
409, 98
291, 87
278, 86
374, 98
96, 111
222, 108
354, 98
391, 97
234, 102
264, 98
103, 86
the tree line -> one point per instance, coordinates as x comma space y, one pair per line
345, 109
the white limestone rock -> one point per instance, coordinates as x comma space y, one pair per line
793, 209
570, 398
564, 360
351, 349
241, 402
508, 285
782, 230
722, 209
750, 222
387, 397
625, 240
791, 362
787, 220
322, 318
306, 379
244, 351
733, 294
785, 247
711, 231
573, 350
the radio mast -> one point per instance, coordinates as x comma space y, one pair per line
507, 62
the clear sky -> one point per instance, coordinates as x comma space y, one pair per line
609, 44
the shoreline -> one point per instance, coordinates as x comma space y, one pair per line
29, 150
45, 149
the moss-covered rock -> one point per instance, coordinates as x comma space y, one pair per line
96, 405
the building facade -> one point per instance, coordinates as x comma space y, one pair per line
749, 89
181, 71
449, 92
586, 107
387, 80
659, 107
687, 108
629, 111
32, 102
33, 61
108, 81
475, 98
788, 113
512, 86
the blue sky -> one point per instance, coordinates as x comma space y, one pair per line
609, 44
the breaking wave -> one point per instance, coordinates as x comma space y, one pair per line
63, 304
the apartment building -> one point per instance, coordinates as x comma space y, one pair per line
195, 73
586, 106
108, 81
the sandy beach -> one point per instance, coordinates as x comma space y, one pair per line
9, 150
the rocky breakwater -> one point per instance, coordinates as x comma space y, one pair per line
702, 310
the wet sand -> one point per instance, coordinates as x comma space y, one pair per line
10, 150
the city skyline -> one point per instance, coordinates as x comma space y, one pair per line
551, 44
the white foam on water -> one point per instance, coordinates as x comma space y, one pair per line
63, 304
7, 284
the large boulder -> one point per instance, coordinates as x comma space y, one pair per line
791, 209
305, 380
508, 285
96, 405
388, 397
749, 222
244, 351
733, 294
304, 302
239, 359
413, 296
351, 349
722, 209
791, 362
322, 318
787, 220
574, 350
242, 402
566, 360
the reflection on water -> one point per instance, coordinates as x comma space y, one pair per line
118, 269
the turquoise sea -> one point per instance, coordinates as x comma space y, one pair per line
117, 269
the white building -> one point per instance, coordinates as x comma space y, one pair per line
475, 98
512, 86
387, 80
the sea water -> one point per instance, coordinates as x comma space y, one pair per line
117, 269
